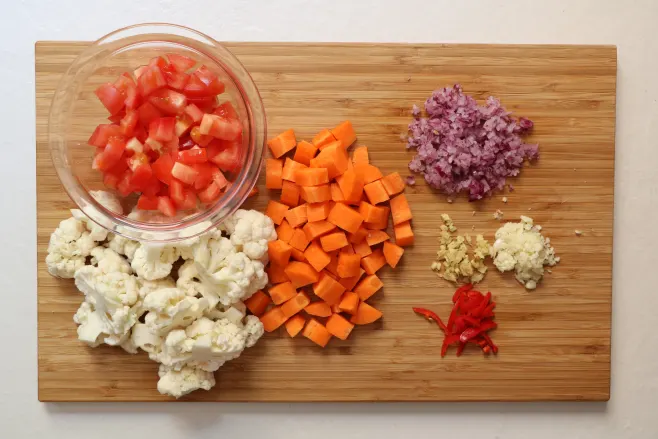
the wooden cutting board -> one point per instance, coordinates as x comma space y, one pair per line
554, 342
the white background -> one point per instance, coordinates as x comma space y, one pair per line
631, 25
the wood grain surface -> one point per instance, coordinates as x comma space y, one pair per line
554, 341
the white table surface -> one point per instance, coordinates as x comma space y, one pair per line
633, 409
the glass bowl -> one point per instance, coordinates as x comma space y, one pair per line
75, 112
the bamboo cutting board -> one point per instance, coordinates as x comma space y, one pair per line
554, 342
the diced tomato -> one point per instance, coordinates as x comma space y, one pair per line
162, 129
151, 80
139, 71
182, 197
129, 122
110, 97
148, 113
102, 134
162, 168
119, 167
112, 153
140, 133
184, 173
198, 138
213, 85
226, 110
134, 145
215, 147
205, 104
193, 156
153, 145
185, 142
176, 80
219, 179
111, 180
219, 127
168, 101
209, 194
159, 62
116, 118
183, 123
171, 148
194, 113
146, 202
180, 62
124, 186
195, 88
124, 83
205, 176
141, 177
152, 187
229, 159
166, 206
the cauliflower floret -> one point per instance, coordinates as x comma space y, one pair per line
189, 281
254, 329
181, 382
143, 338
238, 278
69, 245
250, 231
108, 200
234, 314
96, 232
154, 261
146, 287
122, 246
171, 308
91, 327
109, 261
212, 253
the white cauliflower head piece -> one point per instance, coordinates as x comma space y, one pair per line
178, 383
171, 308
109, 261
69, 245
238, 278
250, 232
154, 261
122, 246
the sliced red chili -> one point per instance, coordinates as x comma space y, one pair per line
431, 315
460, 290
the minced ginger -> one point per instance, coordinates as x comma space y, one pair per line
453, 256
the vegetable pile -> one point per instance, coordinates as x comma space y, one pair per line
169, 140
180, 303
462, 146
470, 321
325, 246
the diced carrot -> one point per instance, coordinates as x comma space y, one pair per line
279, 252
323, 137
299, 240
369, 172
336, 193
373, 214
276, 274
295, 304
382, 222
376, 237
359, 236
349, 302
335, 308
345, 133
290, 168
373, 262
400, 209
350, 282
301, 274
333, 241
332, 267
392, 253
316, 332
348, 265
368, 286
276, 211
282, 143
305, 152
258, 303
360, 155
404, 235
333, 158
318, 309
362, 249
345, 218
290, 193
282, 292
365, 315
311, 176
297, 255
348, 249
316, 194
328, 289
317, 257
317, 211
336, 143
375, 192
285, 231
393, 184
316, 229
273, 172
297, 216
351, 185
339, 327
295, 325
272, 319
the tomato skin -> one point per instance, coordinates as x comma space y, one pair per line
166, 206
124, 186
198, 138
213, 85
229, 159
194, 113
116, 118
162, 168
141, 177
219, 178
139, 71
163, 129
177, 191
168, 101
192, 156
184, 173
151, 79
205, 177
148, 113
219, 127
140, 133
176, 80
209, 194
129, 122
102, 134
111, 154
226, 110
181, 63
110, 97
146, 202
159, 62
111, 180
